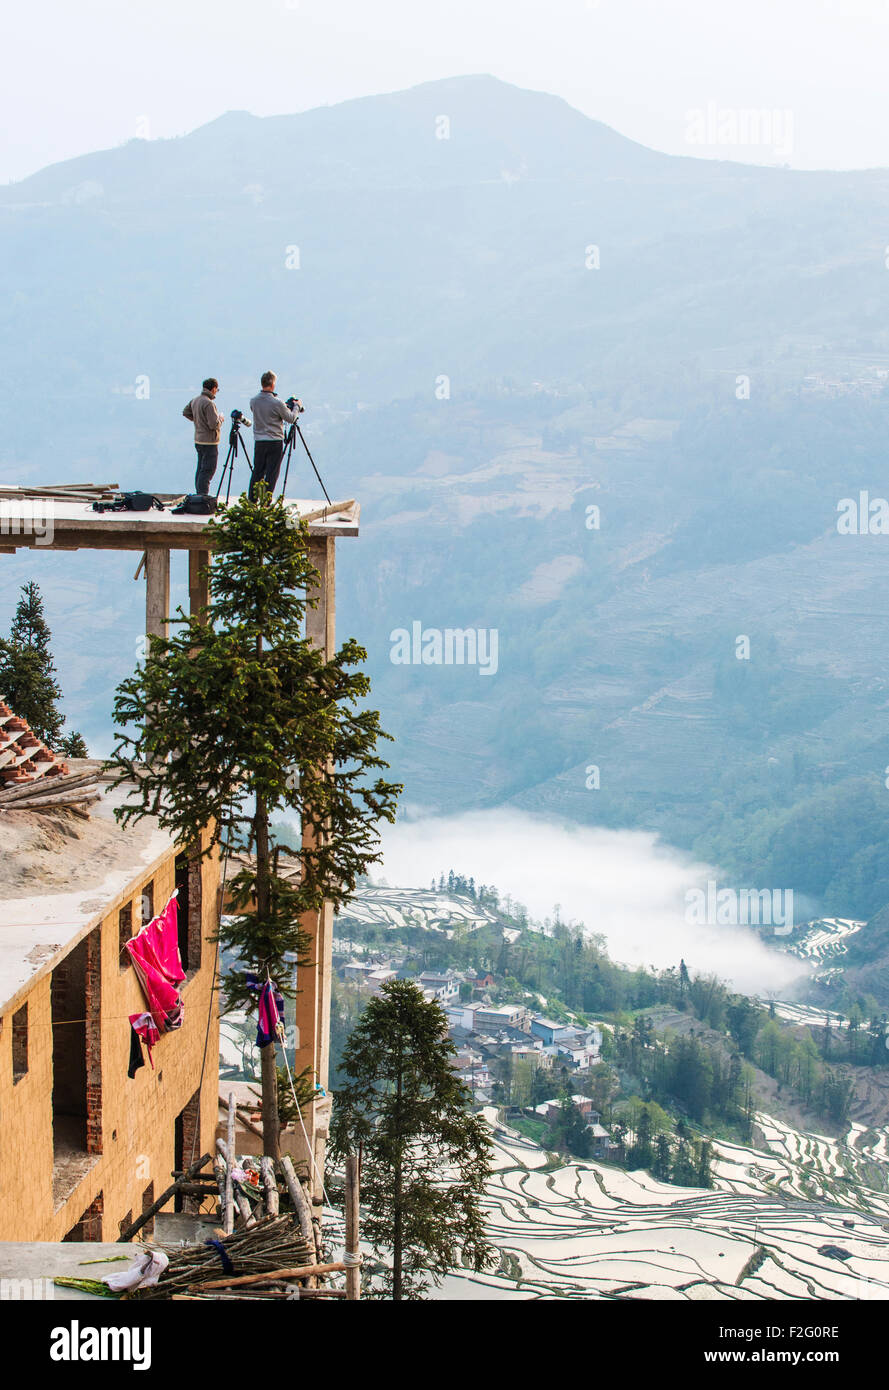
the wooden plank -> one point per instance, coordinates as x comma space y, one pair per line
329, 510
67, 782
46, 803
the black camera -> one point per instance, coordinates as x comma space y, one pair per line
239, 418
293, 404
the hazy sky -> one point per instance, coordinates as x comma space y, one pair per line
92, 75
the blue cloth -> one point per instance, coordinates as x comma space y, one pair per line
227, 1266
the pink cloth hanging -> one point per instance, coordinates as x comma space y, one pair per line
154, 952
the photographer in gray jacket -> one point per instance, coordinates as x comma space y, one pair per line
207, 423
270, 415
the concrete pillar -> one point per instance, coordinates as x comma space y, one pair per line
157, 591
313, 1003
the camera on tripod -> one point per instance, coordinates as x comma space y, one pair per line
239, 418
293, 404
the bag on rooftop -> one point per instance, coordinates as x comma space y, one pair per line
130, 502
196, 505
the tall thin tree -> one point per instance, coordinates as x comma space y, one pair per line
424, 1156
28, 681
238, 716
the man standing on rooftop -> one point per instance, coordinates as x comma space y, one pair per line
269, 418
207, 425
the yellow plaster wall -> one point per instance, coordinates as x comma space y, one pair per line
138, 1114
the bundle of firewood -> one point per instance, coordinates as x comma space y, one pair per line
262, 1259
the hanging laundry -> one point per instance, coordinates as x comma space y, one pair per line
154, 952
136, 1058
270, 1017
143, 1027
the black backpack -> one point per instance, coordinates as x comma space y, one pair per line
196, 505
130, 502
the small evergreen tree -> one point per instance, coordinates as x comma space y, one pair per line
74, 746
641, 1155
27, 671
662, 1159
237, 716
705, 1177
424, 1157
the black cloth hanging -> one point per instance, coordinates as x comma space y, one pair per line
136, 1058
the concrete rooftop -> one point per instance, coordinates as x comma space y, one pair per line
55, 524
59, 876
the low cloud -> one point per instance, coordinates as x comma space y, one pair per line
624, 884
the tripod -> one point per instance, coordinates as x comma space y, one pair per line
288, 450
234, 443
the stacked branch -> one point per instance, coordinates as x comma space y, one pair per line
265, 1249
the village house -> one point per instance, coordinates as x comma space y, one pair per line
536, 1055
443, 987
582, 1051
377, 978
460, 1016
550, 1108
550, 1032
87, 1142
356, 972
505, 1016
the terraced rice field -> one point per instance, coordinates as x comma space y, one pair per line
804, 1013
408, 907
821, 941
588, 1230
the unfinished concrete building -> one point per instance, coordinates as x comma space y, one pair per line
84, 1147
99, 1144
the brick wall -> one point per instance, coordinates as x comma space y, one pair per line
132, 1123
94, 1042
89, 1226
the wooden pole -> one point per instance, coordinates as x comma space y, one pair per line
219, 1171
229, 1165
270, 1183
271, 1276
353, 1198
244, 1118
298, 1198
161, 1201
237, 1198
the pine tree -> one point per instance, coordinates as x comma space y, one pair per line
237, 716
27, 672
74, 746
662, 1159
641, 1154
424, 1157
